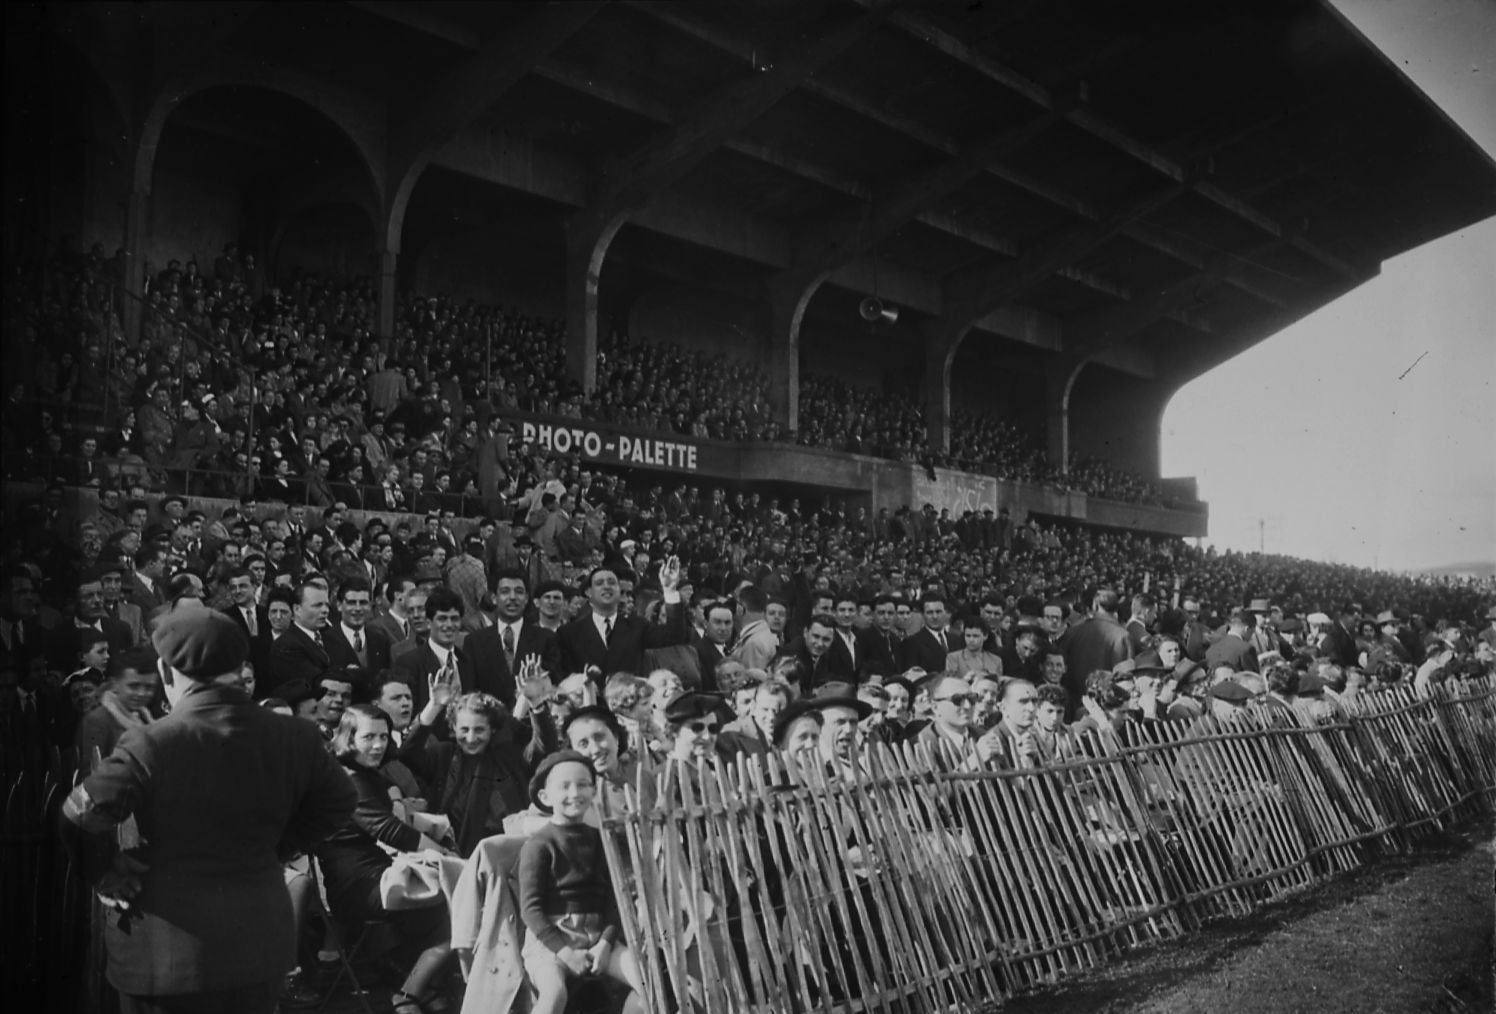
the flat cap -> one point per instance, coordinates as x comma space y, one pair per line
201, 644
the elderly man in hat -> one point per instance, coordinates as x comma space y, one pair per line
223, 792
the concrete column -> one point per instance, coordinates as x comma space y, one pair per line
940, 352
388, 261
588, 236
787, 300
137, 221
1059, 380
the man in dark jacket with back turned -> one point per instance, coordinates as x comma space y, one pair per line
223, 792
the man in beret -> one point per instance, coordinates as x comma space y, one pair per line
223, 792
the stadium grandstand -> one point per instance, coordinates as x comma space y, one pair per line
817, 338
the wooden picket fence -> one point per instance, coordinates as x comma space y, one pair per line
923, 884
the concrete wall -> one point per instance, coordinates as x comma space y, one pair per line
191, 217
490, 268
334, 241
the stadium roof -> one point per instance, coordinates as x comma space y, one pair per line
1164, 184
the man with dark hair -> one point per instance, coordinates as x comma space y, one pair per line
148, 587
611, 642
928, 647
843, 660
756, 644
394, 624
1144, 611
352, 644
812, 649
439, 653
1232, 649
1098, 643
301, 652
253, 618
498, 651
713, 646
878, 645
197, 918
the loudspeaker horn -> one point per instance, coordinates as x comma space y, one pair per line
875, 311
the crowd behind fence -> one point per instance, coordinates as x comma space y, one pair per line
921, 882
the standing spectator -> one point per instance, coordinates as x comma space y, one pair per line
1098, 643
611, 642
208, 925
465, 574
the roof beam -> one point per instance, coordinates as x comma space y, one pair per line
629, 181
972, 294
426, 121
1097, 126
829, 243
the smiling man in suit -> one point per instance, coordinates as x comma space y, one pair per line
352, 643
616, 643
497, 651
439, 652
301, 652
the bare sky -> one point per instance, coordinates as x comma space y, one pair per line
1326, 440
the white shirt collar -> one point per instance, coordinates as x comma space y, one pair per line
598, 621
309, 632
348, 631
437, 650
518, 625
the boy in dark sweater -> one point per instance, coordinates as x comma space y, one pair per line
565, 892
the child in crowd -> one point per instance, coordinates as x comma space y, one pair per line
565, 893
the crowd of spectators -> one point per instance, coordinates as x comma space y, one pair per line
276, 391
650, 624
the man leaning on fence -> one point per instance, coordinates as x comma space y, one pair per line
222, 791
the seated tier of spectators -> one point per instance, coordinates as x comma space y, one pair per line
279, 389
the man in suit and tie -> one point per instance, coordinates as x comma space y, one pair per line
351, 643
439, 653
844, 658
928, 647
712, 647
252, 618
148, 586
394, 623
300, 654
616, 643
498, 650
111, 578
878, 645
813, 650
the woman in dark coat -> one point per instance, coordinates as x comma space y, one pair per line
352, 861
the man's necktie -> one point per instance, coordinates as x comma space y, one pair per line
252, 622
319, 641
509, 645
20, 632
608, 631
358, 645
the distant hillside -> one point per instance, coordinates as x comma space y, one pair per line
1483, 568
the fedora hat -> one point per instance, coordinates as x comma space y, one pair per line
1260, 606
1386, 616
